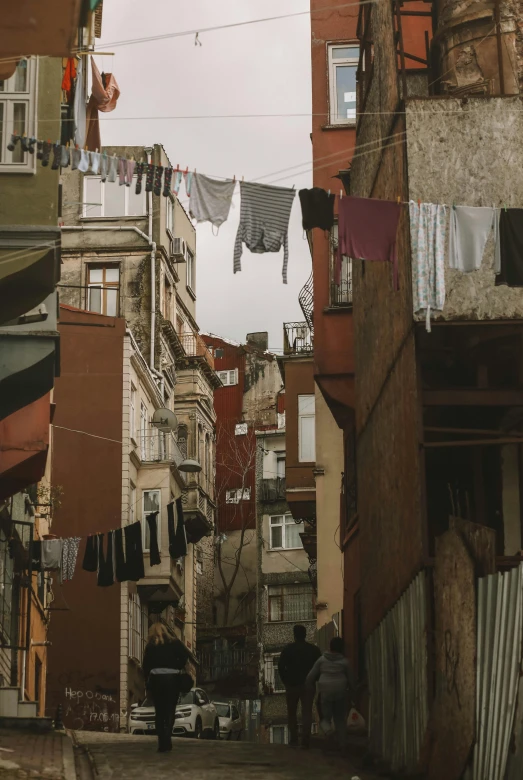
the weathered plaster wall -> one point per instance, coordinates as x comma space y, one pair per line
469, 153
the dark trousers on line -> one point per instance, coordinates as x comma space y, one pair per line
165, 691
305, 695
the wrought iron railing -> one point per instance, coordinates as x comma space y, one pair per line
195, 346
218, 664
273, 489
341, 290
306, 301
297, 338
159, 447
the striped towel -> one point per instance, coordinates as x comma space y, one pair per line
264, 221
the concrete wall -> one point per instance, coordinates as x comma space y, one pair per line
261, 385
329, 457
469, 153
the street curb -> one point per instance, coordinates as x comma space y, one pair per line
68, 757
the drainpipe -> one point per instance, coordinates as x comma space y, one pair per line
152, 244
148, 152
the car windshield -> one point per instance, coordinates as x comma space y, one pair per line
187, 698
222, 710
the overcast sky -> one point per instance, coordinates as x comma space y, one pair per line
257, 69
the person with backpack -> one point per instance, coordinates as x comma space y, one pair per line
296, 661
333, 675
163, 665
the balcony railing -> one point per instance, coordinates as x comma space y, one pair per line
341, 292
306, 301
195, 346
297, 338
273, 489
219, 664
158, 447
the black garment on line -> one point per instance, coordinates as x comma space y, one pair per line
90, 562
511, 244
317, 208
119, 556
154, 552
36, 556
105, 563
134, 551
178, 545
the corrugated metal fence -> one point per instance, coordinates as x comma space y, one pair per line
499, 647
396, 654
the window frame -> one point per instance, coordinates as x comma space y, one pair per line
138, 627
304, 416
285, 734
104, 287
143, 431
30, 98
169, 217
103, 184
284, 523
230, 372
332, 65
241, 429
158, 519
132, 413
338, 298
191, 272
285, 592
132, 503
271, 670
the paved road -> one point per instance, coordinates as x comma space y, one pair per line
129, 757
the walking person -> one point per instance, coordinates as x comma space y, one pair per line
164, 658
333, 675
296, 661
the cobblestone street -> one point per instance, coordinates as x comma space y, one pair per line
125, 757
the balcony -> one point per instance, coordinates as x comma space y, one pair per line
341, 292
273, 489
297, 339
195, 346
158, 447
306, 301
198, 511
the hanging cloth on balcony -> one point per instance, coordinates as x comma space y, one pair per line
317, 208
104, 97
90, 562
511, 247
134, 552
428, 230
367, 229
105, 562
469, 230
154, 552
210, 199
178, 537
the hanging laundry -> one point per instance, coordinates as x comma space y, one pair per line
210, 199
51, 555
83, 165
468, 233
90, 562
57, 156
139, 175
70, 548
428, 228
134, 552
68, 77
167, 182
104, 166
46, 153
94, 163
154, 551
149, 177
131, 164
76, 156
157, 187
511, 247
188, 182
36, 555
264, 221
105, 562
79, 105
367, 229
178, 537
113, 169
317, 208
119, 556
177, 180
65, 158
122, 171
103, 98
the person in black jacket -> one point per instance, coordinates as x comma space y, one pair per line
164, 658
296, 661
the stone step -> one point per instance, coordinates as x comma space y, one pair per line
27, 709
9, 698
26, 724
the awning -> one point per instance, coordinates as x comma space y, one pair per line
24, 442
27, 370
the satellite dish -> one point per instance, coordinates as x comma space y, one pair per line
165, 420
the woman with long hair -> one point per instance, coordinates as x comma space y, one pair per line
164, 659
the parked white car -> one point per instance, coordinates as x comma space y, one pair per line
195, 716
231, 725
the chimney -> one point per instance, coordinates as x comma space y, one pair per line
259, 340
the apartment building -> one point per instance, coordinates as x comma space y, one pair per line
249, 399
286, 592
30, 244
130, 261
439, 413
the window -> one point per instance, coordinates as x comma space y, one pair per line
132, 413
218, 352
278, 735
306, 429
138, 627
6, 592
169, 217
191, 279
281, 421
341, 282
235, 496
102, 289
240, 429
151, 504
272, 676
108, 199
182, 439
167, 299
17, 116
228, 377
143, 431
199, 567
280, 466
285, 533
290, 603
132, 504
343, 64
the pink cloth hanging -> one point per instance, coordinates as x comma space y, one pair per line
102, 99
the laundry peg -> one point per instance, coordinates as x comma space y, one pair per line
177, 168
329, 194
419, 203
341, 194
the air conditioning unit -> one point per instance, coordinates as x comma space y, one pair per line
179, 250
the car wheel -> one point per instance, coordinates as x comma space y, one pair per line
215, 733
198, 731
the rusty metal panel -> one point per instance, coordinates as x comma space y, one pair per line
397, 669
499, 656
